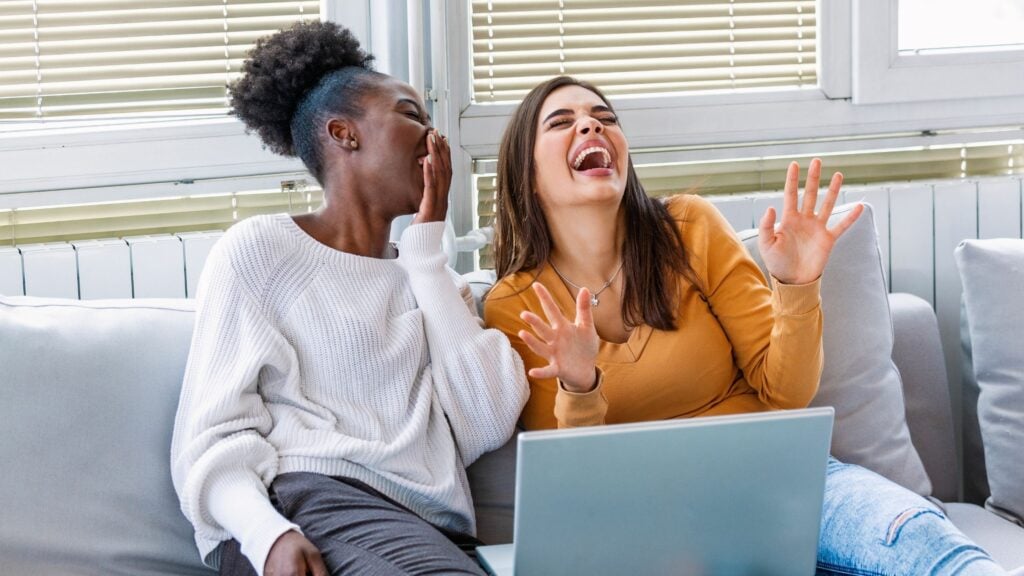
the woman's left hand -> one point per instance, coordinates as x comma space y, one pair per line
796, 252
437, 178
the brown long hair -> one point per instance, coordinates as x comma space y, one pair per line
653, 255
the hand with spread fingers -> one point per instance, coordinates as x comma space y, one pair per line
569, 347
437, 178
796, 251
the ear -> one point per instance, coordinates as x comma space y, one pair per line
342, 133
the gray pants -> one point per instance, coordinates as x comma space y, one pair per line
359, 531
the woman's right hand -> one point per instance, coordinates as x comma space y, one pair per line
569, 347
293, 555
437, 179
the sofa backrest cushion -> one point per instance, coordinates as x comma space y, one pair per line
992, 272
917, 353
89, 396
859, 378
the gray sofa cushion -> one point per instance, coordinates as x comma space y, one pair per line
90, 391
859, 379
917, 352
1003, 540
493, 480
992, 272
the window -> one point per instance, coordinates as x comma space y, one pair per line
913, 51
113, 99
119, 58
950, 25
641, 47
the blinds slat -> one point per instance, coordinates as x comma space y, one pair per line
525, 5
613, 81
89, 46
567, 28
151, 28
10, 7
716, 66
499, 45
596, 54
670, 88
99, 75
112, 85
483, 18
133, 57
145, 12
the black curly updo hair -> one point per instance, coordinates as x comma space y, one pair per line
296, 77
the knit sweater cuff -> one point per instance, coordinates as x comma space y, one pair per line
420, 246
248, 516
573, 409
796, 299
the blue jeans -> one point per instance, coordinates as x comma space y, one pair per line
871, 526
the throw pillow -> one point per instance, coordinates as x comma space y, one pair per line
992, 272
89, 395
859, 378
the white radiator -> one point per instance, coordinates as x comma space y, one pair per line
159, 266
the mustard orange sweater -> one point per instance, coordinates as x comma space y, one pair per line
738, 346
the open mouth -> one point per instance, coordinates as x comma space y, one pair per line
592, 157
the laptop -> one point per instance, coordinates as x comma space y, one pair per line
715, 495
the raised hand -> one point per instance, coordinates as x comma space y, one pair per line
437, 178
569, 347
293, 555
797, 250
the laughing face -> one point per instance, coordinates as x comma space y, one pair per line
581, 154
393, 144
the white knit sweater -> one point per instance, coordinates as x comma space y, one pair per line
305, 358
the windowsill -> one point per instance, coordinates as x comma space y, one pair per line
24, 135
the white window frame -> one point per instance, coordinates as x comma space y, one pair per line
883, 75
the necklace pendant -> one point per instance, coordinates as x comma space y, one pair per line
594, 301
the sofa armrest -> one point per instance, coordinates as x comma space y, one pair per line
917, 353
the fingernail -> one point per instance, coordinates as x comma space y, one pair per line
433, 140
430, 159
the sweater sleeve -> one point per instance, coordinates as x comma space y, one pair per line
501, 311
221, 461
478, 377
775, 334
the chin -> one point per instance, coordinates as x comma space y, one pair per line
603, 190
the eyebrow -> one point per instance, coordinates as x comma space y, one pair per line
416, 105
567, 112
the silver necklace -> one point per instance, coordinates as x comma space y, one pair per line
594, 294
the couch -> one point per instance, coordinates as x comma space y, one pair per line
90, 390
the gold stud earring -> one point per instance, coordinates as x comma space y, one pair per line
354, 144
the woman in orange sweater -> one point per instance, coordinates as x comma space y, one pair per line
626, 308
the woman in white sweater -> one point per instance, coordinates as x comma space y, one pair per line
335, 390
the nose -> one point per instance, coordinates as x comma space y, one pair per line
589, 125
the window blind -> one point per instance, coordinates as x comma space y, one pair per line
768, 174
642, 47
74, 58
155, 216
